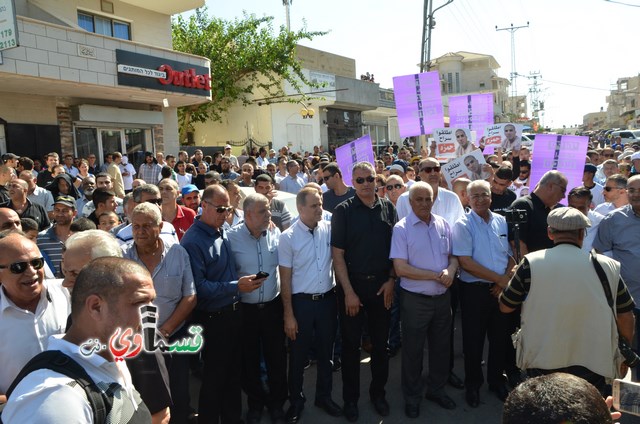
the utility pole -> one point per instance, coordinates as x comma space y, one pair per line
427, 25
287, 4
514, 74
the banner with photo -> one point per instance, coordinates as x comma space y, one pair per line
468, 166
452, 143
473, 111
564, 153
347, 155
507, 136
418, 103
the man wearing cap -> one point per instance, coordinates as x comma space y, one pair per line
51, 242
11, 160
232, 159
596, 189
191, 198
149, 170
635, 161
399, 168
567, 324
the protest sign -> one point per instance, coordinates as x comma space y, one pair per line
418, 103
349, 154
468, 166
473, 111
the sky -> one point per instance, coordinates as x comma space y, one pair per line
579, 47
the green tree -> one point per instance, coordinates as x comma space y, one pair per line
246, 57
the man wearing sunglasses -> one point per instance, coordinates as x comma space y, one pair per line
30, 309
218, 309
338, 191
445, 203
394, 188
360, 240
615, 194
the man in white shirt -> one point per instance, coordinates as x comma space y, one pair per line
615, 194
30, 309
128, 173
107, 296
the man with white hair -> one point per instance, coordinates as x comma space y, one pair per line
128, 173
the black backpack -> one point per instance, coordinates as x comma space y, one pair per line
64, 364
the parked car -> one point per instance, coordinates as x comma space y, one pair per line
626, 136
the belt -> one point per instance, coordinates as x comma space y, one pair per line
428, 296
478, 283
260, 305
235, 306
369, 277
314, 296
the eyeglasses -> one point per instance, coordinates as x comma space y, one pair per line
154, 201
369, 179
607, 188
480, 196
20, 267
326, 178
430, 169
396, 186
219, 209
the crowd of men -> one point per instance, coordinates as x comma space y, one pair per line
381, 265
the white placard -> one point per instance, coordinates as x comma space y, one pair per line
142, 72
8, 25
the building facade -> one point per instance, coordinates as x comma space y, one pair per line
623, 103
97, 76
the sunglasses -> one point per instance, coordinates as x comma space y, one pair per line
430, 169
326, 178
369, 179
154, 201
611, 188
20, 267
219, 209
396, 186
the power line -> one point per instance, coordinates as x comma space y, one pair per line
575, 85
624, 4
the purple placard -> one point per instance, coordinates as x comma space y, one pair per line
355, 151
473, 111
564, 153
418, 103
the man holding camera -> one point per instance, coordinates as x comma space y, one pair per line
567, 323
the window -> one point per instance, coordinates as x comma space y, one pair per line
481, 85
104, 26
449, 83
457, 82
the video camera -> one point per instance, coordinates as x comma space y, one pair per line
515, 216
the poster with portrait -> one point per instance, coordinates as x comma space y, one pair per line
355, 151
504, 136
445, 144
418, 103
468, 166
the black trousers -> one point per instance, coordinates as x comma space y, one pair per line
481, 317
263, 331
220, 398
317, 322
378, 320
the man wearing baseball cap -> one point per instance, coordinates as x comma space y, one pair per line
191, 198
567, 323
51, 242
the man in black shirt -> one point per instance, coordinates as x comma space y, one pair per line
338, 190
361, 241
46, 176
19, 202
501, 196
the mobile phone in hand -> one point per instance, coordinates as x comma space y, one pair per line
626, 396
261, 274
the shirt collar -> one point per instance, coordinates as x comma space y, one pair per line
6, 303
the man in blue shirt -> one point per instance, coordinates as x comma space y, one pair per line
218, 309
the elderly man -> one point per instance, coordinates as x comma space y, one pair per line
255, 249
148, 193
179, 216
421, 254
52, 241
607, 168
445, 203
360, 240
615, 194
537, 205
170, 269
481, 245
19, 202
9, 220
619, 233
394, 188
337, 191
107, 296
149, 170
218, 288
30, 309
292, 183
280, 214
36, 194
567, 323
308, 296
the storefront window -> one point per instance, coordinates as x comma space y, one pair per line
87, 142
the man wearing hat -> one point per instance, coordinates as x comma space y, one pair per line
399, 168
191, 198
10, 159
635, 162
232, 159
567, 324
596, 189
51, 242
